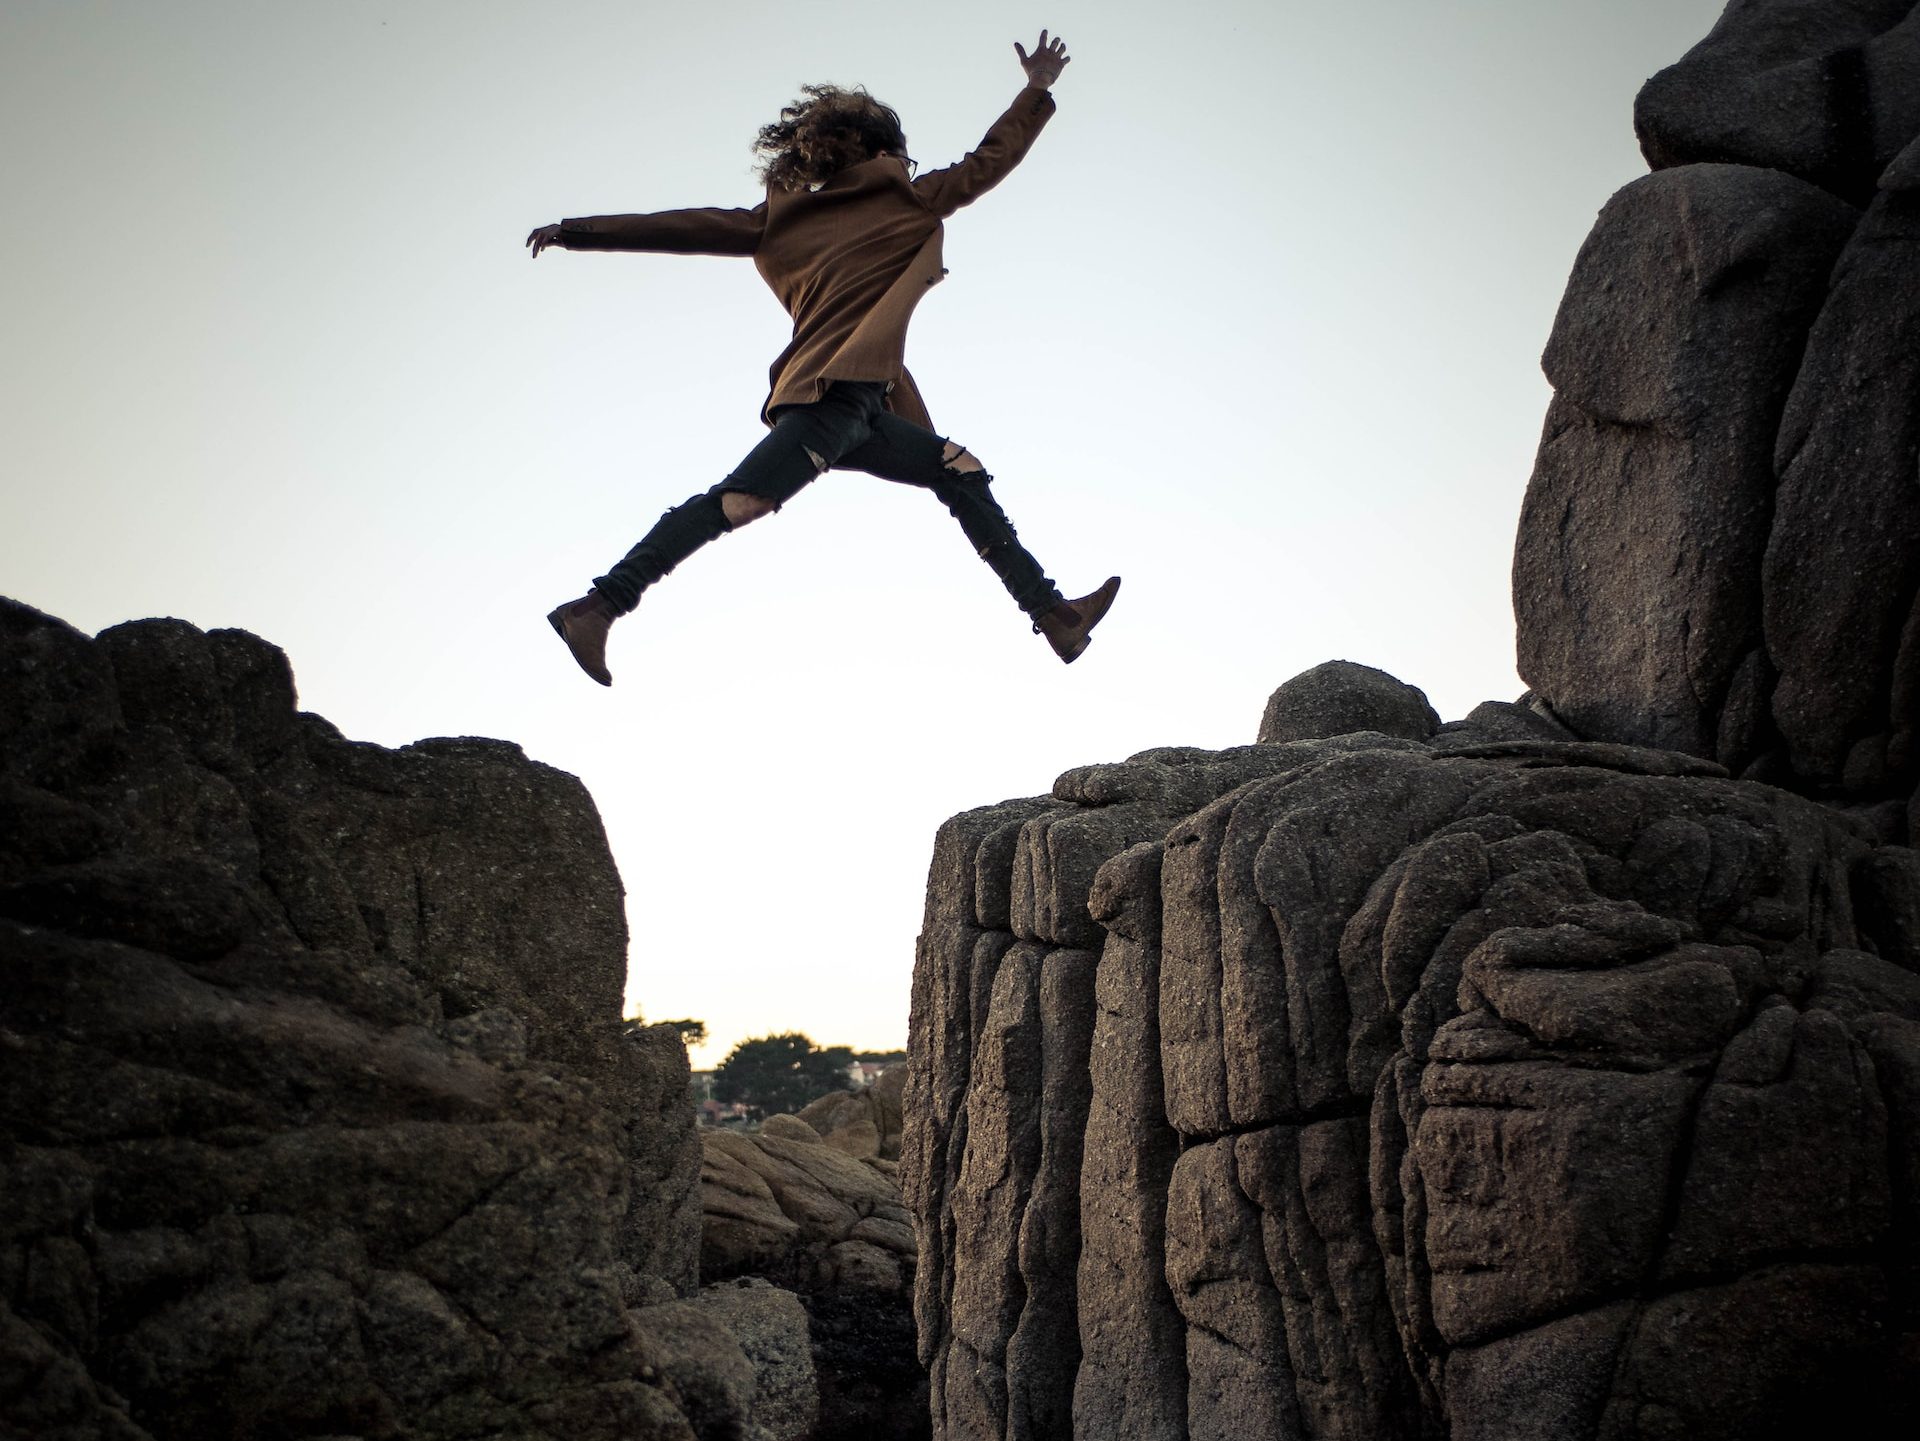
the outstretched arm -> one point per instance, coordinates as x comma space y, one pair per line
679, 232
1010, 137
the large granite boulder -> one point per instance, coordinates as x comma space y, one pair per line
1522, 1088
1717, 550
1828, 92
1003, 1029
317, 1114
1637, 567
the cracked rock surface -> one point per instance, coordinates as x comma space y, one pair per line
317, 1116
1518, 1088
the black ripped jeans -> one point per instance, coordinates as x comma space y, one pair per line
849, 428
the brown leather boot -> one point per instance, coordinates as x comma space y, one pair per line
1067, 624
583, 624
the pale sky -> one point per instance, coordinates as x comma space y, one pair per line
1256, 325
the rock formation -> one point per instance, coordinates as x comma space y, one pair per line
317, 1114
788, 1204
866, 1123
1465, 1086
1720, 547
1551, 1073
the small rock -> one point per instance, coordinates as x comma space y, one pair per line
1340, 697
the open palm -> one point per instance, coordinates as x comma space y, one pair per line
1049, 58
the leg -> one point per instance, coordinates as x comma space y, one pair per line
804, 441
966, 492
1065, 623
902, 451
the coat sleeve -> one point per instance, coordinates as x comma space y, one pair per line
679, 232
1006, 144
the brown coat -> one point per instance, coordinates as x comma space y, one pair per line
849, 260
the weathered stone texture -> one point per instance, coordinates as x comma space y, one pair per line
1132, 1380
800, 1212
998, 1085
1842, 570
1829, 92
1338, 698
1637, 566
1718, 548
317, 1116
1422, 1083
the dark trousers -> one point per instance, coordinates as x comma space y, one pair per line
849, 428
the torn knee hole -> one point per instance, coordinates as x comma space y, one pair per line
741, 506
958, 460
819, 460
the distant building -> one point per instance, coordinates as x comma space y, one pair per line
709, 1111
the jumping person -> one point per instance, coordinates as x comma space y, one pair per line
849, 241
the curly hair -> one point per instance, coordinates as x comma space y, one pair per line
823, 133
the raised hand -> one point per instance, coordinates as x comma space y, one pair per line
1049, 58
543, 237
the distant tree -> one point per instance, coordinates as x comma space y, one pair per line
692, 1033
781, 1073
880, 1058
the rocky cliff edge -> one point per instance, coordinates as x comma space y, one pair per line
317, 1113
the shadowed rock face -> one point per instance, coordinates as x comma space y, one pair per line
1517, 1088
1718, 548
1841, 579
317, 1115
1637, 569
